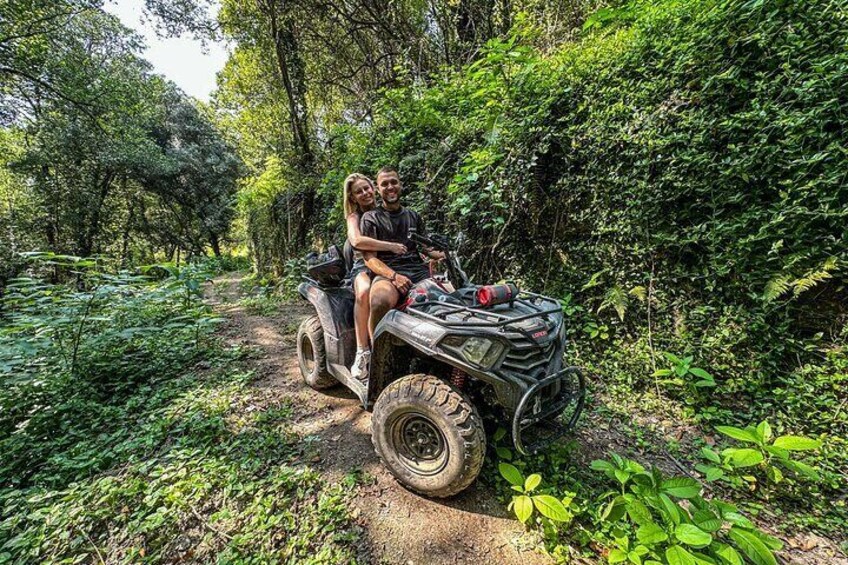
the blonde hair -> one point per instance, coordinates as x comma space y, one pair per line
349, 204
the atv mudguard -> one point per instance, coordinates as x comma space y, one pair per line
400, 327
334, 306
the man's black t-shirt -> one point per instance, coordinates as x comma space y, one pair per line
384, 225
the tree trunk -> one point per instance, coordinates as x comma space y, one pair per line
215, 242
125, 238
293, 77
86, 247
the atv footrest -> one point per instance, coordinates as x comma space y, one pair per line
544, 417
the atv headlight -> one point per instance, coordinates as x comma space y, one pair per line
481, 351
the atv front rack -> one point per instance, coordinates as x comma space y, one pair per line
546, 419
476, 317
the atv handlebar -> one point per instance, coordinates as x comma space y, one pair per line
441, 243
435, 241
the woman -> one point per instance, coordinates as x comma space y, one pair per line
358, 199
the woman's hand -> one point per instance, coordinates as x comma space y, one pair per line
397, 248
401, 282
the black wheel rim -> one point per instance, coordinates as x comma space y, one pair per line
307, 355
419, 444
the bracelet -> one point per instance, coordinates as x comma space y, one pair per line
394, 276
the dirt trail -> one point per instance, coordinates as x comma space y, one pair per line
399, 526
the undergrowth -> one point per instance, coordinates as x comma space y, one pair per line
129, 433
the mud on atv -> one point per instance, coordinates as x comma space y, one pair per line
452, 351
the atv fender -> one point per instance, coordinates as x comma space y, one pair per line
423, 336
334, 307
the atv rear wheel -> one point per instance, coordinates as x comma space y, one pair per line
429, 435
311, 355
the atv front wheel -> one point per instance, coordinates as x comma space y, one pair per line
311, 355
429, 435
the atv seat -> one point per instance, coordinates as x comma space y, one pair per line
347, 254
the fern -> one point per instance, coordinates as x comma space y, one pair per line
640, 292
809, 281
616, 299
781, 284
776, 287
831, 264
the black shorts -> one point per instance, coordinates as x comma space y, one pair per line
415, 274
359, 267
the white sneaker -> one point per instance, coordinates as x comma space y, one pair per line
361, 364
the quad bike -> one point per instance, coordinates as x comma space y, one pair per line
449, 352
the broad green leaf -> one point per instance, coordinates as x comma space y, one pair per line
741, 458
710, 455
499, 434
638, 512
701, 374
738, 519
641, 550
778, 452
650, 534
802, 469
739, 433
672, 510
532, 482
511, 474
677, 555
551, 507
797, 443
692, 535
616, 556
673, 358
706, 520
621, 475
729, 555
774, 474
601, 465
702, 559
523, 508
714, 474
614, 510
770, 542
752, 547
681, 487
504, 453
764, 429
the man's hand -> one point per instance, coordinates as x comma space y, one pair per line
397, 248
436, 255
401, 282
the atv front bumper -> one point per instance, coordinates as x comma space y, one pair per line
547, 418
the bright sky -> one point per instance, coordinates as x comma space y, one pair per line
180, 59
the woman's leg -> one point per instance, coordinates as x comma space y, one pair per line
362, 309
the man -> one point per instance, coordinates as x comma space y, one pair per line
394, 274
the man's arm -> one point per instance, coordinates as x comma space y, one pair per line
401, 282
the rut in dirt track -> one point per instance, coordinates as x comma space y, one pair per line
399, 526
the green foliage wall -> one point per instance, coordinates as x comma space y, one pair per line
686, 167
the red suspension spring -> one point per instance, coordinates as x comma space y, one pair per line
458, 378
